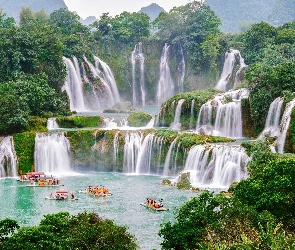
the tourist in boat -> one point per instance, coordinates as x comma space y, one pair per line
72, 195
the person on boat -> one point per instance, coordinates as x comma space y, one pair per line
161, 203
57, 197
50, 195
72, 195
156, 205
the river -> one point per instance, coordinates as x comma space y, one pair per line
27, 205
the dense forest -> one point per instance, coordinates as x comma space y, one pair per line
257, 213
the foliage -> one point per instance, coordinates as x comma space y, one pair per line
192, 220
168, 135
79, 121
138, 119
7, 227
24, 144
188, 140
64, 231
272, 191
195, 26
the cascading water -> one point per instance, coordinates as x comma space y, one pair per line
165, 84
132, 147
284, 126
137, 56
222, 115
168, 158
176, 123
52, 124
273, 118
73, 85
52, 153
8, 159
216, 165
143, 164
108, 77
191, 122
106, 97
228, 67
181, 70
116, 148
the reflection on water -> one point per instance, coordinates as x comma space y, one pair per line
27, 205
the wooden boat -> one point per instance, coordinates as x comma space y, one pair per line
154, 204
96, 191
43, 184
31, 176
62, 195
154, 208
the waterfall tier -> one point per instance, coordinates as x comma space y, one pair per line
52, 153
8, 159
137, 56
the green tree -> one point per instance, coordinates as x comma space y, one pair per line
192, 220
65, 231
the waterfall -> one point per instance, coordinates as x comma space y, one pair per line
181, 70
143, 164
284, 126
176, 123
8, 159
271, 127
138, 56
216, 165
243, 65
73, 85
52, 124
192, 115
52, 153
228, 67
106, 97
165, 84
168, 158
222, 115
116, 147
108, 77
132, 147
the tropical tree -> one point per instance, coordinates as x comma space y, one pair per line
65, 231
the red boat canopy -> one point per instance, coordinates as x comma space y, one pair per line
62, 191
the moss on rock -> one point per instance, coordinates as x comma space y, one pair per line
79, 121
138, 119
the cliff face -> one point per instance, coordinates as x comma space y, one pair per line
12, 8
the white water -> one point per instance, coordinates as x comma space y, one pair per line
192, 115
143, 164
137, 56
222, 115
271, 127
52, 124
216, 166
166, 84
168, 158
228, 67
52, 153
104, 96
132, 147
74, 86
108, 78
285, 122
181, 71
176, 125
8, 159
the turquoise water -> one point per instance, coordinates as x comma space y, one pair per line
28, 205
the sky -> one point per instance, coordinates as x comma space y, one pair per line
85, 8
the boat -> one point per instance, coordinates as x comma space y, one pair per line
31, 176
96, 191
156, 205
44, 183
62, 195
